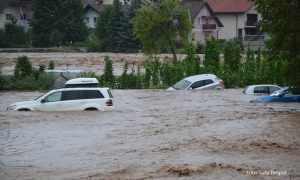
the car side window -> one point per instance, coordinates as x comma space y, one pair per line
261, 89
92, 94
54, 97
272, 89
208, 81
71, 95
81, 94
197, 84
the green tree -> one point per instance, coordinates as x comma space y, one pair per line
161, 24
63, 17
102, 30
212, 51
14, 34
232, 55
280, 19
74, 28
23, 67
51, 65
108, 77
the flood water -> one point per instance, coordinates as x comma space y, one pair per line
153, 134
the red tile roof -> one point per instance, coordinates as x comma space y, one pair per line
229, 6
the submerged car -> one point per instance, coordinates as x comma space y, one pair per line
203, 81
78, 95
283, 95
261, 89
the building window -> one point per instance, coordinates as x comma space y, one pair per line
8, 16
23, 17
87, 20
199, 20
95, 19
205, 19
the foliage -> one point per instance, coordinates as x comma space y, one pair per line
160, 24
23, 67
92, 44
280, 19
57, 22
13, 34
51, 65
102, 30
232, 55
107, 79
212, 51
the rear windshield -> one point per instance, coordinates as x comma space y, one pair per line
81, 94
183, 84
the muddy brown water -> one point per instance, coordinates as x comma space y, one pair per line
153, 134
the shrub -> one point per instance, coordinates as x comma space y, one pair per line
23, 67
107, 78
92, 44
51, 65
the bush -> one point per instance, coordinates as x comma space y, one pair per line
23, 67
92, 44
51, 65
107, 79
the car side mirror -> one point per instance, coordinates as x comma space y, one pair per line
43, 101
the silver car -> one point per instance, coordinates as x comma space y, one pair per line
202, 81
261, 89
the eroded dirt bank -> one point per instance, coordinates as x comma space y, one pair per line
153, 134
84, 61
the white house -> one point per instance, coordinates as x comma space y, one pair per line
239, 18
19, 9
205, 25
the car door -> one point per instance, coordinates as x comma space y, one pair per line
52, 102
72, 100
197, 85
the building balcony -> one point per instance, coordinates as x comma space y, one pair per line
254, 37
209, 27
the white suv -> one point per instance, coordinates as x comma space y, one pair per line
79, 94
68, 99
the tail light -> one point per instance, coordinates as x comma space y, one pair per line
109, 103
221, 81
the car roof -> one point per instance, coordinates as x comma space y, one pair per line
259, 85
82, 88
200, 77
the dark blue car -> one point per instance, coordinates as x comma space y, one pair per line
283, 95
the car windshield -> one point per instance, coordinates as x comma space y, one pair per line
39, 96
183, 84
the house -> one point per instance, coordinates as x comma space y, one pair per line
239, 18
205, 24
19, 9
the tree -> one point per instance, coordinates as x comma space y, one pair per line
23, 67
102, 31
212, 52
161, 24
13, 34
280, 19
108, 77
74, 28
50, 18
232, 55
